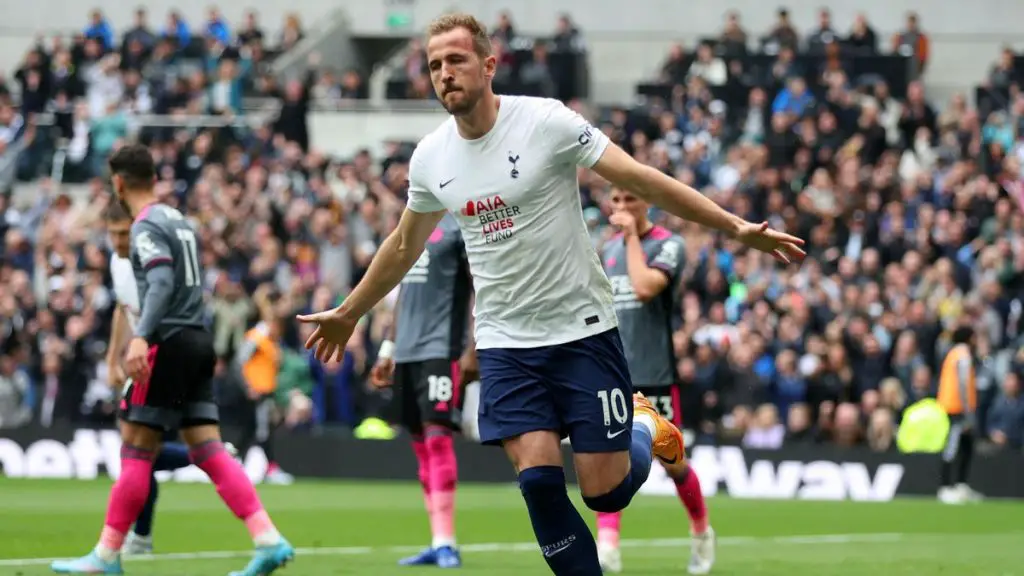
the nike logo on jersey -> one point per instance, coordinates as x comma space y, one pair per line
614, 434
443, 184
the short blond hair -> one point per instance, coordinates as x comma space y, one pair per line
477, 30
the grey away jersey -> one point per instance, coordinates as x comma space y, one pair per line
646, 328
161, 236
433, 303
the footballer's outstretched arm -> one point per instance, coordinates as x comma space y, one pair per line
393, 259
664, 191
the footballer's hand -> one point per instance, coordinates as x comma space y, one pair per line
469, 368
625, 222
331, 334
136, 361
783, 247
115, 374
381, 373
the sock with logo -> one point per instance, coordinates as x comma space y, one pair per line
640, 467
423, 470
443, 478
144, 523
236, 490
609, 525
127, 498
688, 489
564, 538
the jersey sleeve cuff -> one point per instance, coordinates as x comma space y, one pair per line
596, 151
161, 261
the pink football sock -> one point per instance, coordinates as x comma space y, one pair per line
609, 526
693, 499
127, 496
235, 489
443, 478
423, 470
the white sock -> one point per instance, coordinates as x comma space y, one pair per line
441, 542
268, 537
106, 554
647, 422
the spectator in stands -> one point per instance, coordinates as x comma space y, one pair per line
1005, 424
784, 67
567, 38
824, 35
794, 99
504, 32
733, 40
176, 30
1003, 74
536, 75
913, 42
16, 390
675, 68
291, 32
709, 67
917, 113
216, 28
862, 38
140, 33
251, 34
765, 431
782, 35
99, 29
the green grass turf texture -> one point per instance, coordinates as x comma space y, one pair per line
364, 528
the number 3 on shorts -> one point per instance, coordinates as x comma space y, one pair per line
439, 388
613, 405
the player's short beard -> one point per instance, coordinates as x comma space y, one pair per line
466, 105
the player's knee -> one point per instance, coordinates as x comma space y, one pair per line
140, 436
543, 486
614, 500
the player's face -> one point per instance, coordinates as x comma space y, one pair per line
623, 201
459, 75
120, 236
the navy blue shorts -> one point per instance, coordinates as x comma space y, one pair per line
580, 390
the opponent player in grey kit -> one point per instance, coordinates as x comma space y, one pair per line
430, 360
170, 360
645, 264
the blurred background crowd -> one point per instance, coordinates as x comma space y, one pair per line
913, 210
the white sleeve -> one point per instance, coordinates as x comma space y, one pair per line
421, 199
573, 139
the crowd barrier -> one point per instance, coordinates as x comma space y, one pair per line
810, 472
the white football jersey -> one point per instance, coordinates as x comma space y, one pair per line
125, 289
515, 195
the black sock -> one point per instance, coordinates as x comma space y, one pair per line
564, 538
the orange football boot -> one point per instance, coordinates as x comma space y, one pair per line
668, 444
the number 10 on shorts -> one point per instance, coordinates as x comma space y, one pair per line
613, 405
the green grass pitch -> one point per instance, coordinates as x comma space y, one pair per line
347, 528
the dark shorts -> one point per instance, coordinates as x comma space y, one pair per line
179, 392
426, 392
580, 389
667, 400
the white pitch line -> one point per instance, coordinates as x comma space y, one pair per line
487, 548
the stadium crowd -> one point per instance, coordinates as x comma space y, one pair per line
913, 212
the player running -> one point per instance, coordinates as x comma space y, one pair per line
431, 322
644, 264
170, 360
173, 454
551, 361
